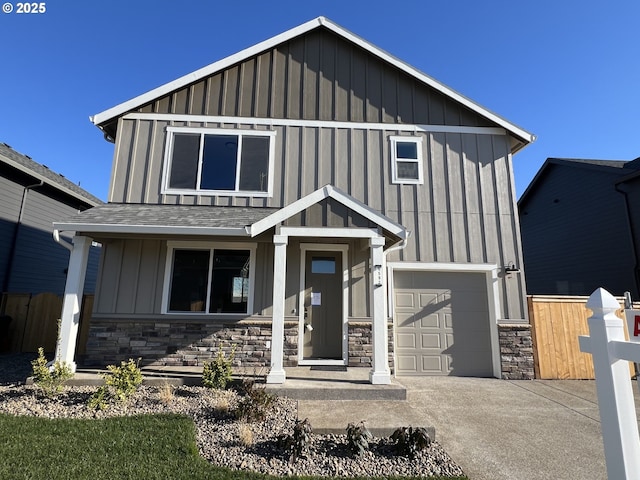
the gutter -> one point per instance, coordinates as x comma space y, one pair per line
14, 242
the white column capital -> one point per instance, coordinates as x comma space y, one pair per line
280, 239
377, 241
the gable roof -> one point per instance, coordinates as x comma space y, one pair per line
328, 191
622, 168
42, 173
108, 115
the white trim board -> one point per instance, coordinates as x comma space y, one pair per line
158, 229
319, 195
272, 42
284, 122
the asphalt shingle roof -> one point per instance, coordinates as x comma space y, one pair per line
9, 156
170, 215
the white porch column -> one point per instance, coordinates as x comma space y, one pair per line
277, 373
380, 374
66, 348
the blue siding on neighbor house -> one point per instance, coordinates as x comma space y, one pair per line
30, 259
574, 233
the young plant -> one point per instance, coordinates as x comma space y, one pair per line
165, 392
119, 384
50, 380
124, 379
298, 443
358, 438
255, 402
409, 440
217, 373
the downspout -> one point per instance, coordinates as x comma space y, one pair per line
14, 243
400, 246
634, 240
62, 241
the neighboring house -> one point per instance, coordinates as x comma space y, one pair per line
32, 197
314, 201
580, 224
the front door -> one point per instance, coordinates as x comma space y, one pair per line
323, 306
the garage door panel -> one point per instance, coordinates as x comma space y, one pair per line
406, 340
405, 300
430, 340
407, 364
449, 323
430, 321
432, 364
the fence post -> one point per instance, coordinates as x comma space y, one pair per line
613, 383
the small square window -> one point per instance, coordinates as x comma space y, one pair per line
406, 160
326, 265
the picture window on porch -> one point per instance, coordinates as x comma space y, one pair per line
406, 160
213, 280
218, 162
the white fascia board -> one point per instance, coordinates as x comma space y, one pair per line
49, 181
149, 229
319, 195
519, 132
286, 36
288, 211
203, 72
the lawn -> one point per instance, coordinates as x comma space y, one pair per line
141, 447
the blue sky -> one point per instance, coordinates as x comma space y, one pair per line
566, 70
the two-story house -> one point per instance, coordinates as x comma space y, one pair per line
314, 201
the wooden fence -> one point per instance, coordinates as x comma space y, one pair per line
556, 323
35, 321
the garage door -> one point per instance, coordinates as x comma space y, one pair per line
442, 324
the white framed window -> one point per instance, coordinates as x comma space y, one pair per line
406, 160
206, 278
211, 161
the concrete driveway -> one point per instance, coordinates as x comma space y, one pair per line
499, 429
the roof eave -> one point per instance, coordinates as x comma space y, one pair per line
136, 102
149, 229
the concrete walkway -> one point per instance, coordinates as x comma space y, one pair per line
494, 429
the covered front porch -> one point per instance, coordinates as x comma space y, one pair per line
316, 271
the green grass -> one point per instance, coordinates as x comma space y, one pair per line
141, 447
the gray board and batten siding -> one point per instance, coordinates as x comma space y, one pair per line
463, 213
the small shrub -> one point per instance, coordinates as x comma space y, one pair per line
50, 380
124, 379
99, 400
297, 444
222, 406
119, 384
358, 438
245, 435
218, 372
409, 441
255, 404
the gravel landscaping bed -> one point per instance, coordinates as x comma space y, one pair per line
227, 442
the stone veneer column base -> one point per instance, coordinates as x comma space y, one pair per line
516, 352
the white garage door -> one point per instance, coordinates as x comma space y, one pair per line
442, 324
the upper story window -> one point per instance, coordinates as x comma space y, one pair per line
218, 162
406, 160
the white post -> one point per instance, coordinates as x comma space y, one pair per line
277, 373
74, 288
613, 382
380, 374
